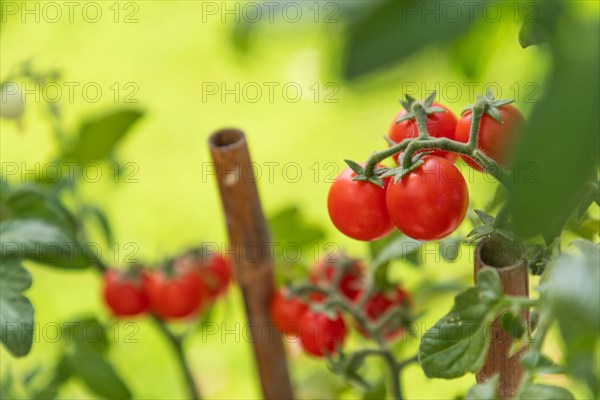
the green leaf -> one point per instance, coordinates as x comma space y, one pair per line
16, 311
97, 374
513, 324
86, 332
28, 201
456, 344
396, 249
539, 30
42, 242
483, 391
289, 225
571, 291
388, 34
544, 392
550, 167
98, 137
98, 215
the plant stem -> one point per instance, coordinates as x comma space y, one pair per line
421, 118
395, 385
425, 142
177, 346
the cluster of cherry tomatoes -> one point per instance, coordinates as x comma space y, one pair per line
181, 288
323, 333
430, 202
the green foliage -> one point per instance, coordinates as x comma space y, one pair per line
558, 150
388, 34
571, 291
16, 311
98, 137
456, 344
41, 242
483, 391
544, 392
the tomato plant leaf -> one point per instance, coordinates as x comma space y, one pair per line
513, 324
456, 344
42, 242
388, 33
98, 137
483, 391
551, 168
28, 201
544, 392
97, 374
16, 311
571, 291
289, 225
98, 215
396, 249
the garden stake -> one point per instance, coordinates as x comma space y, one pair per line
249, 241
515, 281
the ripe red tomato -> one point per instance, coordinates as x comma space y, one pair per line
124, 292
497, 140
175, 292
214, 271
430, 202
378, 305
439, 125
322, 273
286, 312
321, 335
357, 208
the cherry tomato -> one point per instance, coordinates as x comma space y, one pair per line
357, 208
323, 273
124, 292
321, 335
286, 312
497, 140
378, 305
214, 270
221, 269
442, 124
430, 202
175, 292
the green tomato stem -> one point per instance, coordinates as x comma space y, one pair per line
421, 118
425, 142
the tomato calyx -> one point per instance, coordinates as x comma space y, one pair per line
361, 176
490, 105
427, 104
401, 171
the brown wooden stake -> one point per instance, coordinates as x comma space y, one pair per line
497, 253
250, 247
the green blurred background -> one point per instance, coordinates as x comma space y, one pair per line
172, 54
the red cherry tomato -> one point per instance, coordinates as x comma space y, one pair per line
323, 273
214, 271
321, 335
357, 208
439, 125
430, 202
124, 292
378, 305
176, 293
286, 312
497, 140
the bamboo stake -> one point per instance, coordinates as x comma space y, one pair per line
249, 242
515, 281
